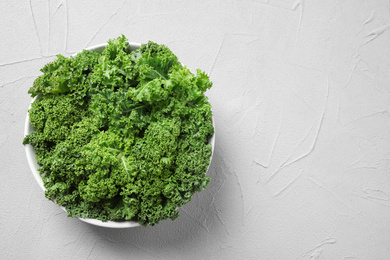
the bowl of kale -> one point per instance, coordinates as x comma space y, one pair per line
121, 134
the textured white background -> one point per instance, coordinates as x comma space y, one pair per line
301, 99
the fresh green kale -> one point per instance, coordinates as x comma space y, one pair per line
121, 135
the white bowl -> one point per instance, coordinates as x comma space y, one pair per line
32, 161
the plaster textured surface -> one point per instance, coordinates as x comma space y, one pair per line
301, 100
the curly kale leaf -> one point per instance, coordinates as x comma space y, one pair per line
66, 75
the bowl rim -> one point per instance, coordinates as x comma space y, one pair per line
31, 157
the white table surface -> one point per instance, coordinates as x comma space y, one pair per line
301, 99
